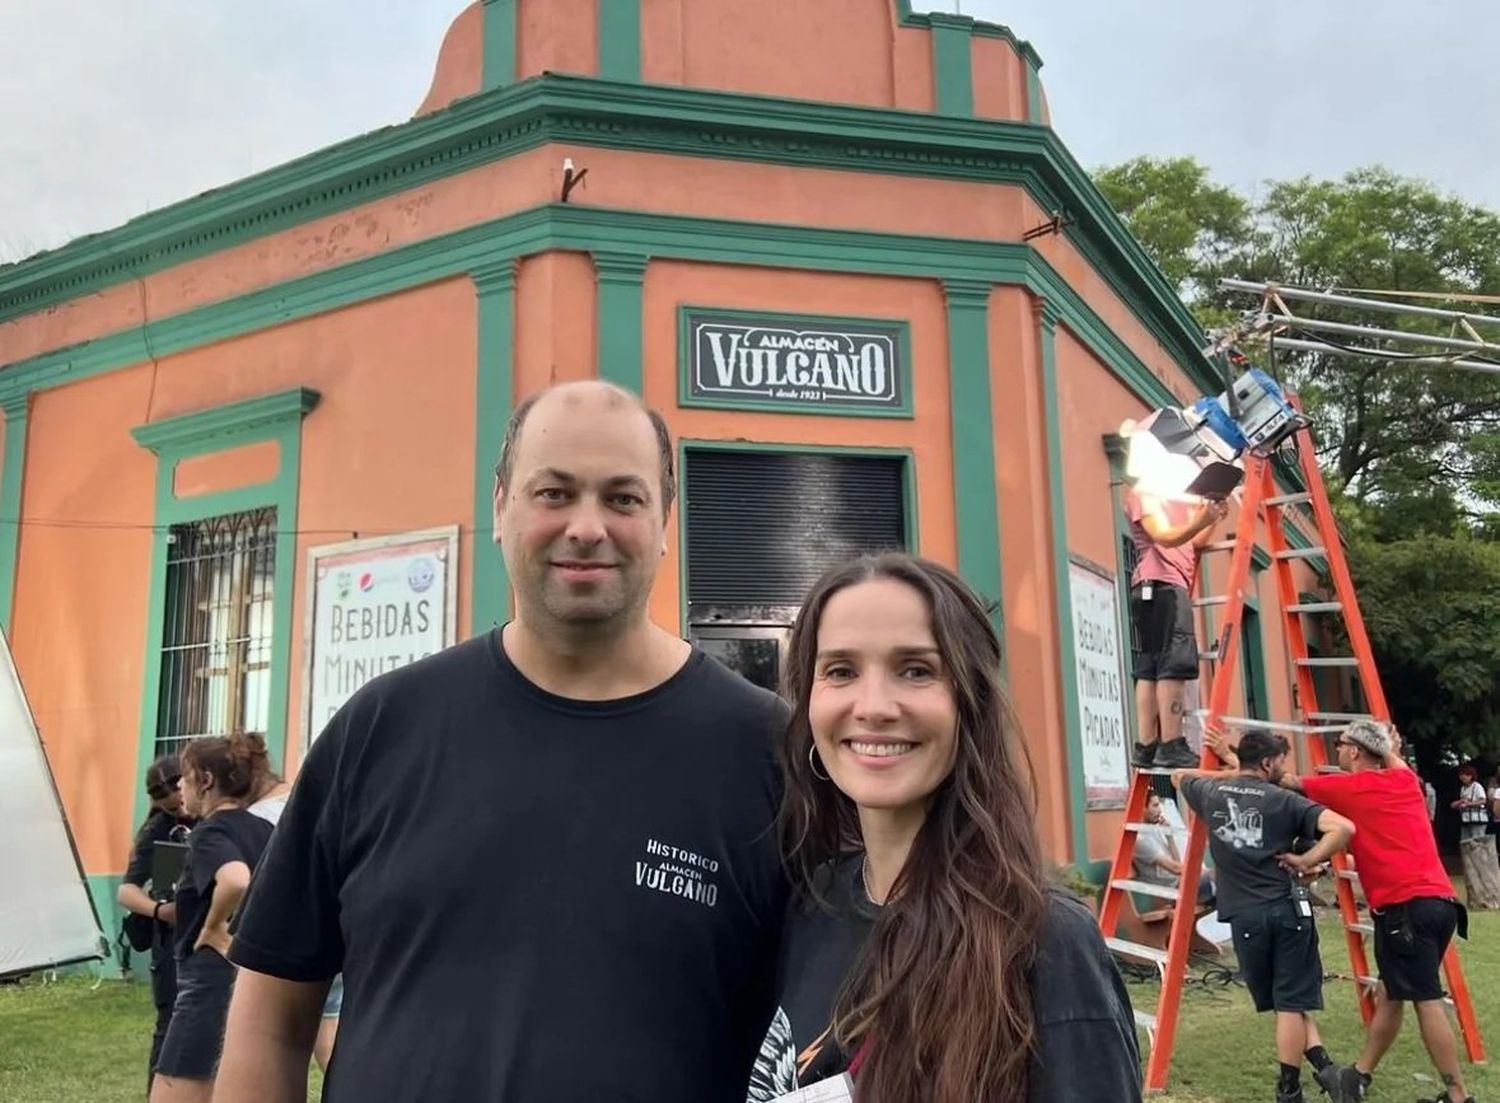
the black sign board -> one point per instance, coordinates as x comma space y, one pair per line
783, 362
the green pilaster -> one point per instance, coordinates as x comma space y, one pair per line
1047, 319
621, 278
489, 587
620, 39
499, 65
1033, 89
976, 501
952, 63
12, 479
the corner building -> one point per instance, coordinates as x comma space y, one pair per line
249, 438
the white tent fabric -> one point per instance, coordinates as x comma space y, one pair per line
46, 915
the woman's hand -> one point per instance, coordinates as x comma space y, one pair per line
214, 938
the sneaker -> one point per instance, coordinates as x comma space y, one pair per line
1144, 756
1342, 1083
1175, 754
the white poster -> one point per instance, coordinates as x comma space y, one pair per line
374, 605
1102, 686
46, 915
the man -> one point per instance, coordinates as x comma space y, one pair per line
1414, 910
1253, 827
1157, 859
543, 860
1167, 533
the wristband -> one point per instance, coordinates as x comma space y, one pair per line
156, 911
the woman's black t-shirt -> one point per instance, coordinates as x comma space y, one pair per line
232, 835
1085, 1030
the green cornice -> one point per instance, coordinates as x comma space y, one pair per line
205, 430
909, 18
625, 115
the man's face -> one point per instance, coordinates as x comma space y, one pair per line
1275, 769
1153, 809
581, 522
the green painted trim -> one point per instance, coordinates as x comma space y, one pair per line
1034, 112
620, 281
570, 227
1252, 643
12, 482
494, 396
975, 493
620, 39
908, 18
1114, 448
620, 115
913, 529
498, 68
952, 64
102, 890
275, 417
835, 409
1047, 319
225, 426
1260, 559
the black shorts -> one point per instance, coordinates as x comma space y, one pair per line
1278, 952
1410, 941
195, 1036
1163, 641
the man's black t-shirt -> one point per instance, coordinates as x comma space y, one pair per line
532, 899
232, 835
1250, 822
1085, 1029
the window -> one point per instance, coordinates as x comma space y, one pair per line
216, 643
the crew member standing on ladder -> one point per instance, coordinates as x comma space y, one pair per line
1253, 827
1167, 533
1414, 909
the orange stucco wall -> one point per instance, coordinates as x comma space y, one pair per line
460, 65
392, 372
244, 466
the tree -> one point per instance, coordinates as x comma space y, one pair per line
1431, 607
1423, 441
1411, 454
1192, 227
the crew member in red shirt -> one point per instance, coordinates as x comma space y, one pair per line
1415, 911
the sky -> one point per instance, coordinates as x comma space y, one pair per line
111, 109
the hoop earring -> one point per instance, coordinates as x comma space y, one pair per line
812, 763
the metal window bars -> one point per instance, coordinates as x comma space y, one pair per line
217, 640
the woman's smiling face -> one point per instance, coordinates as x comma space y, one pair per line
882, 710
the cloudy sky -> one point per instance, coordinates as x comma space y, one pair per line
109, 109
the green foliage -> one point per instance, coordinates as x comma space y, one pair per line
1411, 454
1431, 607
1423, 440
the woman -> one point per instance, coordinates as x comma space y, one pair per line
1481, 873
221, 775
925, 952
165, 821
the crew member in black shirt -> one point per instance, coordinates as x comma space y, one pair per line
1254, 830
544, 860
166, 822
929, 960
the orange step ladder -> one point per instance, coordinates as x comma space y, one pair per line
1261, 498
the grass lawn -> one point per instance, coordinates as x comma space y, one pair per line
84, 1041
1227, 1054
77, 1040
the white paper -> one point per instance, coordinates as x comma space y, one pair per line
833, 1090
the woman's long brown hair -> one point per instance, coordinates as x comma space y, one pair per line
943, 992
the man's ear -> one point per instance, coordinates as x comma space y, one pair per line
497, 506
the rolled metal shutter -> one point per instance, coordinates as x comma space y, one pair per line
762, 526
